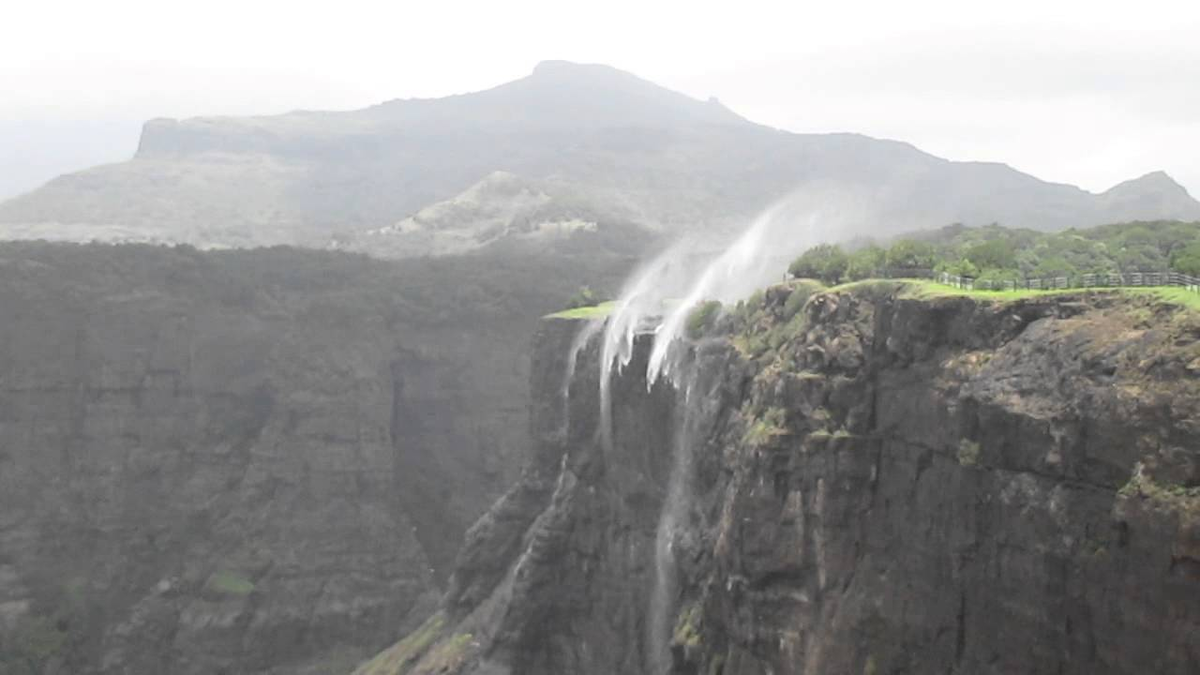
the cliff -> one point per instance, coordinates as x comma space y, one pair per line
863, 481
248, 462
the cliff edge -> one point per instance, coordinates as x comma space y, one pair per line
855, 481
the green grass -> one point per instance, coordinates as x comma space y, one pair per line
763, 429
687, 627
594, 312
400, 656
1172, 294
873, 283
448, 655
1178, 497
921, 289
230, 583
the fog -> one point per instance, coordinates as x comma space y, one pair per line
468, 338
1079, 92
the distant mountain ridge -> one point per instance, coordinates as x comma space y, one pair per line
672, 162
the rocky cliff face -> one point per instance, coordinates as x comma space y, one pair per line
870, 482
245, 462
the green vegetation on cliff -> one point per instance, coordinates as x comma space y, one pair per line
426, 651
997, 253
923, 289
230, 583
398, 658
593, 312
702, 317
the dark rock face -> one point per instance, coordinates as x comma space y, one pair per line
900, 486
244, 462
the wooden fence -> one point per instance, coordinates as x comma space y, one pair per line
1133, 279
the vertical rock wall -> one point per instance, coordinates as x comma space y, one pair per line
885, 485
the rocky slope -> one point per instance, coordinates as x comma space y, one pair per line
861, 481
672, 162
503, 209
249, 462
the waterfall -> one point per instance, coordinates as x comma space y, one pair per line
671, 522
754, 259
734, 274
578, 344
640, 304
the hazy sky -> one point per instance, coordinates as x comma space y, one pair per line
1089, 93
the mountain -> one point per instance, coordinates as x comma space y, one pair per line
671, 162
1153, 196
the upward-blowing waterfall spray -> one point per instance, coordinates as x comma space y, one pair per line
754, 259
734, 274
578, 344
640, 304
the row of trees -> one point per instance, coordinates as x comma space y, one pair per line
831, 264
997, 253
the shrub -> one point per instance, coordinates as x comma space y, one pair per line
799, 295
1187, 259
1053, 266
770, 424
992, 254
584, 297
908, 254
702, 317
997, 276
968, 452
687, 627
866, 263
826, 262
230, 583
962, 267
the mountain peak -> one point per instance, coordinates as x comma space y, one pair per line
624, 97
556, 72
1155, 180
559, 66
1155, 195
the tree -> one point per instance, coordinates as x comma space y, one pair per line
962, 268
826, 262
995, 278
1053, 265
994, 254
908, 254
866, 263
1187, 259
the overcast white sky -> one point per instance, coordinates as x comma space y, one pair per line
1089, 93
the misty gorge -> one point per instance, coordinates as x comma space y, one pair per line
582, 375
